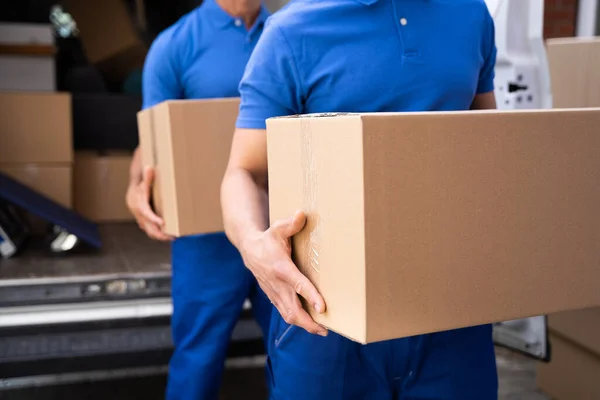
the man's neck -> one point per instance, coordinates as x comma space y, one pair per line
247, 10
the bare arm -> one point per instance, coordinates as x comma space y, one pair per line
135, 169
266, 250
484, 101
244, 198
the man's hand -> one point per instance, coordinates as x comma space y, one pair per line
268, 256
138, 202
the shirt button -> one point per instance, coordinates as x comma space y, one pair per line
403, 21
238, 22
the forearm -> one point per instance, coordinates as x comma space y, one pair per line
136, 168
245, 206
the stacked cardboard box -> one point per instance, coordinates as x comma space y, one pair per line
36, 145
109, 36
574, 371
101, 183
575, 72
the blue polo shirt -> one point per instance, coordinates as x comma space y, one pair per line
203, 55
369, 56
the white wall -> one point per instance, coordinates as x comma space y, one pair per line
587, 15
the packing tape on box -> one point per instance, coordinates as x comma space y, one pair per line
309, 182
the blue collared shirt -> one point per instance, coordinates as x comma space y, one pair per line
369, 56
203, 55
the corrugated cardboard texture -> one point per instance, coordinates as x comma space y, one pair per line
190, 140
35, 128
572, 374
581, 327
575, 71
468, 218
100, 186
53, 181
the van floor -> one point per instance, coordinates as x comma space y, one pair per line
126, 250
36, 276
516, 374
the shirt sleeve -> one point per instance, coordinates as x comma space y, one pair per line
160, 76
270, 86
486, 75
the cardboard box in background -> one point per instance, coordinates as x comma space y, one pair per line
424, 222
105, 122
35, 128
573, 373
100, 186
27, 57
108, 36
574, 72
51, 180
188, 142
581, 326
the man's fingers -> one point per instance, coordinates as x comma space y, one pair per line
294, 314
147, 213
303, 287
155, 232
148, 178
291, 226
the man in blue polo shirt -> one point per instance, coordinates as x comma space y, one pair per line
201, 56
355, 56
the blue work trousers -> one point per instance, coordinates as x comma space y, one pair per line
209, 286
453, 365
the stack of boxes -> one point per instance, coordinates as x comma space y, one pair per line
74, 148
36, 145
574, 371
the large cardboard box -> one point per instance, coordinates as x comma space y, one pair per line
27, 57
188, 142
100, 186
35, 128
108, 35
575, 71
573, 373
424, 222
51, 180
580, 326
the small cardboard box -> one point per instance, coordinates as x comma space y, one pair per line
425, 222
109, 37
572, 374
35, 128
188, 142
100, 186
581, 327
51, 180
575, 71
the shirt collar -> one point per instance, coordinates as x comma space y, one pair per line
222, 19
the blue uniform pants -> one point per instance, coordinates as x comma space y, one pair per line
453, 365
209, 286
